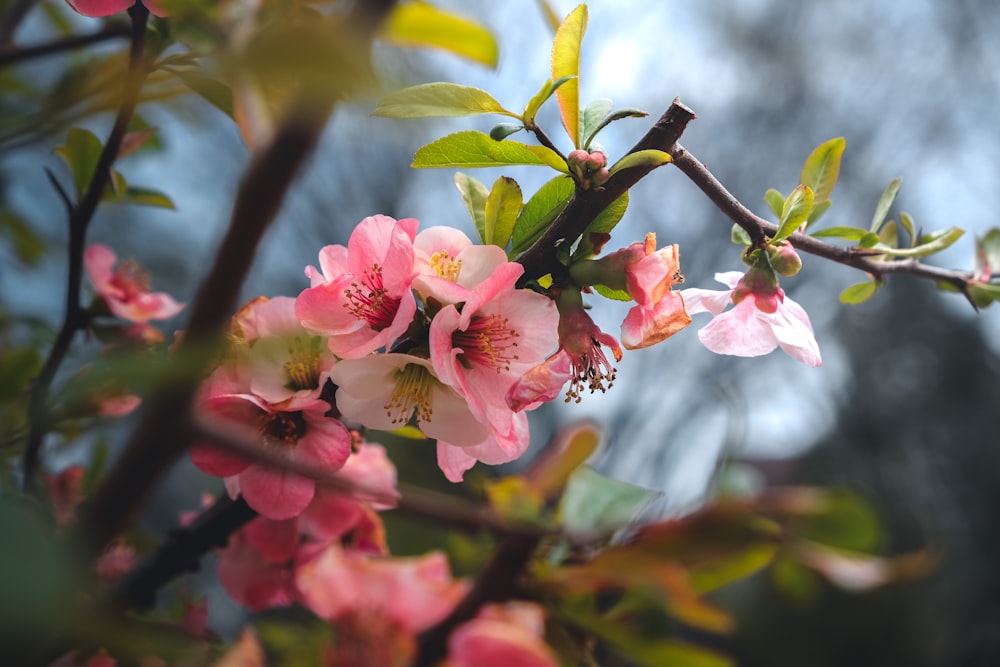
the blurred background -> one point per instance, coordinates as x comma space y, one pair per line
905, 410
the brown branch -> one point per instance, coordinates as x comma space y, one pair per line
14, 55
79, 220
585, 205
12, 18
760, 229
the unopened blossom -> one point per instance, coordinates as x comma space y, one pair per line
647, 274
580, 360
762, 318
306, 433
360, 296
97, 8
126, 290
501, 636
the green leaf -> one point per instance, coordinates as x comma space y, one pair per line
869, 240
475, 149
602, 224
474, 194
82, 152
907, 223
739, 236
929, 245
591, 119
795, 211
819, 208
613, 294
539, 212
501, 131
212, 90
884, 203
422, 24
502, 206
145, 197
543, 94
889, 234
775, 201
438, 99
649, 157
822, 168
566, 62
28, 247
18, 367
983, 294
859, 293
610, 118
988, 253
847, 233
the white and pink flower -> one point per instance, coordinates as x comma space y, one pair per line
126, 290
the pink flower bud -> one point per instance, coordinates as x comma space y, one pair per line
784, 259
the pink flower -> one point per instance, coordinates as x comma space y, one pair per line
307, 432
97, 8
65, 493
126, 290
450, 266
361, 298
502, 635
762, 319
579, 360
454, 459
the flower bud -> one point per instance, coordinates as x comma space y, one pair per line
784, 259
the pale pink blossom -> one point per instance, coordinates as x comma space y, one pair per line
501, 636
762, 319
454, 460
449, 266
125, 290
361, 297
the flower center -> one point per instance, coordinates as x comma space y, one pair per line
131, 279
369, 300
302, 367
489, 341
444, 266
591, 370
283, 429
412, 393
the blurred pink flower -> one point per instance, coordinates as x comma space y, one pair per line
762, 319
500, 636
96, 8
125, 291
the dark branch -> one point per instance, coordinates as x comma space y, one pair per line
585, 205
79, 220
13, 55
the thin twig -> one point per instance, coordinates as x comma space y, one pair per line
760, 229
14, 55
12, 18
79, 221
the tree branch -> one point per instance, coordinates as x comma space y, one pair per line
79, 220
760, 229
14, 55
585, 205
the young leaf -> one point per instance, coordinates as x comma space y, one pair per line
474, 194
795, 211
739, 236
818, 210
846, 233
502, 206
145, 197
884, 203
438, 99
566, 62
539, 212
213, 91
613, 294
645, 158
610, 118
907, 223
501, 131
592, 118
822, 168
930, 244
421, 24
889, 234
81, 152
475, 149
775, 201
859, 293
544, 93
595, 506
602, 224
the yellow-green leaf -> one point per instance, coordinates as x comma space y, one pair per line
475, 149
551, 18
502, 206
859, 293
822, 168
474, 194
438, 99
540, 211
884, 203
929, 244
82, 152
649, 157
775, 201
795, 211
422, 24
602, 224
539, 98
566, 62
